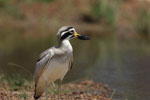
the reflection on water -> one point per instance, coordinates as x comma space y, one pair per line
123, 64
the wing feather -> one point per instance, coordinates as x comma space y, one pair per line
71, 63
41, 63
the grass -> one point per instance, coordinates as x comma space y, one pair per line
12, 8
6, 2
23, 95
54, 89
112, 94
15, 82
46, 1
14, 11
3, 3
142, 23
42, 1
105, 10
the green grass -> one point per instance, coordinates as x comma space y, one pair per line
126, 99
142, 23
112, 94
46, 1
15, 82
53, 89
105, 11
12, 8
23, 95
3, 3
14, 11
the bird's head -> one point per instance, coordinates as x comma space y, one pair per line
68, 32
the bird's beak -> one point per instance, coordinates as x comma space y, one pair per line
81, 37
76, 35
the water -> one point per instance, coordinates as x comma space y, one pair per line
121, 63
124, 66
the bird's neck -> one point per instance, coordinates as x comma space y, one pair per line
65, 44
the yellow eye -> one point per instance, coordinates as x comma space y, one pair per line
72, 31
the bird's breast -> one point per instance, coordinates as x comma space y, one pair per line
56, 69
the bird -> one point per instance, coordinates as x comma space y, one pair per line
54, 63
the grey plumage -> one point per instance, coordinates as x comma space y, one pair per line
41, 64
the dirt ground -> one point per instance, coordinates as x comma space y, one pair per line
84, 90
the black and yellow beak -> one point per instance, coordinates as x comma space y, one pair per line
81, 37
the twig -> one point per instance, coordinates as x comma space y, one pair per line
19, 66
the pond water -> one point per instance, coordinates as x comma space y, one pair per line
122, 64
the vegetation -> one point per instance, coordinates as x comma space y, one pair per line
143, 21
15, 82
23, 95
103, 10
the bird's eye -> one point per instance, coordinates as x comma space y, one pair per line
72, 31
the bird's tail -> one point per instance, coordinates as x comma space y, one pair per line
39, 89
35, 94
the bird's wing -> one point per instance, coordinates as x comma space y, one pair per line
41, 63
71, 63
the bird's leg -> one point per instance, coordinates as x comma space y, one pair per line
46, 90
59, 87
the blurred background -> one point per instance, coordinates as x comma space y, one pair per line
118, 53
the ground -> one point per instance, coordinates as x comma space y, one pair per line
84, 90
